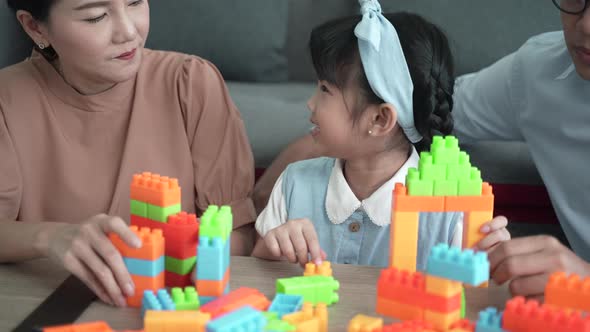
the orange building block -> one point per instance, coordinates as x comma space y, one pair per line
175, 321
142, 284
571, 292
471, 226
311, 269
528, 316
404, 240
362, 323
155, 189
485, 202
308, 319
442, 321
82, 327
398, 310
152, 244
404, 203
409, 326
235, 300
212, 287
442, 287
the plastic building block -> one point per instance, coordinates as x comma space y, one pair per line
571, 292
186, 299
463, 325
213, 287
214, 258
285, 304
472, 185
465, 266
405, 203
362, 323
445, 150
442, 287
471, 227
181, 233
418, 186
314, 289
398, 310
409, 288
445, 187
161, 213
161, 300
142, 284
490, 320
152, 244
278, 325
175, 321
409, 326
483, 202
180, 266
442, 321
309, 319
234, 300
138, 208
325, 269
177, 280
142, 267
526, 316
404, 240
463, 303
155, 189
216, 223
245, 319
83, 327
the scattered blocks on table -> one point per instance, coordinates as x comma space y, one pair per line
314, 289
309, 319
525, 316
571, 292
245, 319
234, 300
186, 299
324, 269
490, 320
285, 304
275, 324
362, 323
175, 321
159, 301
465, 266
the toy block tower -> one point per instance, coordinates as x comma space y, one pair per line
155, 203
146, 264
445, 181
212, 273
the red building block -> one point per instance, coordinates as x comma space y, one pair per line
155, 189
528, 316
235, 300
83, 327
177, 280
463, 324
181, 233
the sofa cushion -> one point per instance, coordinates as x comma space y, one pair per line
246, 40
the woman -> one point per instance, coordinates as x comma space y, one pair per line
89, 109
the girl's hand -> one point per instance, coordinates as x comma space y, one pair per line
296, 240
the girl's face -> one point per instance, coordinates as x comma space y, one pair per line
334, 126
98, 41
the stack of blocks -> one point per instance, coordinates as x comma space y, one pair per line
155, 203
212, 273
145, 264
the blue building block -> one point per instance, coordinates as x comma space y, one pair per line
464, 266
159, 301
145, 268
206, 299
213, 258
245, 319
285, 304
490, 320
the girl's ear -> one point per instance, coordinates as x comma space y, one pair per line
383, 119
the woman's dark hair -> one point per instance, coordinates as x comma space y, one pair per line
39, 9
336, 58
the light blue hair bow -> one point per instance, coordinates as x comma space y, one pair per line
385, 65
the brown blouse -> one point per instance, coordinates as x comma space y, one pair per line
66, 157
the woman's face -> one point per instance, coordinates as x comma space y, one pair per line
576, 29
98, 41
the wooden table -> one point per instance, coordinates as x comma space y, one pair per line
24, 286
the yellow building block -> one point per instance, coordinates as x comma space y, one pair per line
311, 269
442, 287
309, 319
472, 223
362, 323
404, 240
397, 310
175, 321
442, 322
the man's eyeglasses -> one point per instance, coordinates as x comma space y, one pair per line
574, 7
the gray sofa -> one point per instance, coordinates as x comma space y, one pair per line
261, 48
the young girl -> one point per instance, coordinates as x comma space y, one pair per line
385, 87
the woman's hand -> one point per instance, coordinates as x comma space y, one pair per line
86, 251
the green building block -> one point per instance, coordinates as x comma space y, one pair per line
278, 326
445, 187
187, 299
471, 186
216, 222
445, 150
463, 304
139, 208
180, 266
314, 289
158, 213
428, 170
416, 186
460, 171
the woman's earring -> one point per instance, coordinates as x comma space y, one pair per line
41, 46
370, 132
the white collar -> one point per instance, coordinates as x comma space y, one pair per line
568, 71
341, 201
